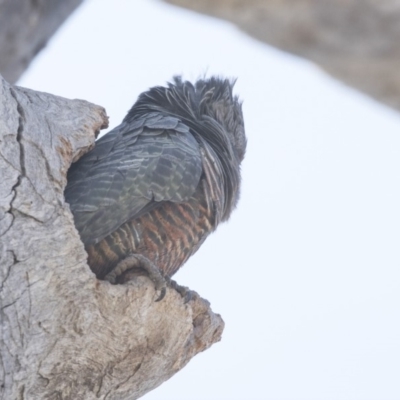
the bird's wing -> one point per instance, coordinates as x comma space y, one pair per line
134, 167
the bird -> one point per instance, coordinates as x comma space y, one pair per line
152, 189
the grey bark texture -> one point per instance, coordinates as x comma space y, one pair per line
64, 334
25, 28
357, 41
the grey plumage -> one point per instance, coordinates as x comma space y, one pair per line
181, 144
131, 169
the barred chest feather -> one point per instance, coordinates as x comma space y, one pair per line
167, 236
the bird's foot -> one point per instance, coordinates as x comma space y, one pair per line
131, 266
184, 291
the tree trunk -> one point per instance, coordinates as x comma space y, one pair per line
64, 334
25, 28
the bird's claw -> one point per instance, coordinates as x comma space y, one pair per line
128, 268
163, 291
184, 291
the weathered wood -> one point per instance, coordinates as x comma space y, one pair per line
356, 41
25, 28
64, 334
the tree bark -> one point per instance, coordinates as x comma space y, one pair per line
65, 334
25, 28
356, 41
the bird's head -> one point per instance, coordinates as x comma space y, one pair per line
208, 102
216, 100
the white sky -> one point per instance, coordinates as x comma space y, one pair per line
306, 273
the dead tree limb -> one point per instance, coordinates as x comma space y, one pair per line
356, 41
64, 334
25, 28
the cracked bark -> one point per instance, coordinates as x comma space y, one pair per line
64, 334
357, 42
